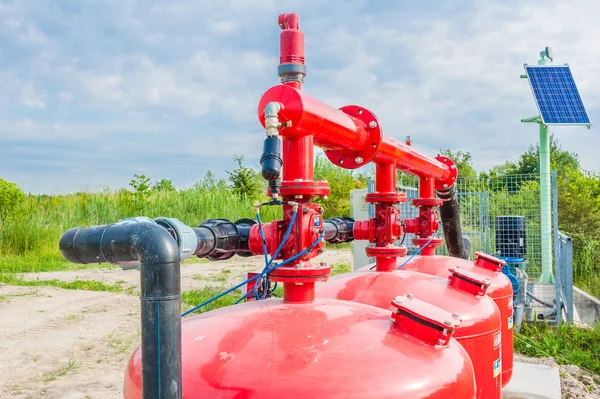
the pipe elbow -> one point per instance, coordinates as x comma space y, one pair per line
152, 244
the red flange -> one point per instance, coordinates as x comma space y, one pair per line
377, 252
386, 198
430, 202
350, 159
304, 188
308, 273
443, 184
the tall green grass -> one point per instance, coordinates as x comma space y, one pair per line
567, 343
29, 238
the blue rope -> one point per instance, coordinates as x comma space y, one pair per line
419, 250
270, 269
158, 321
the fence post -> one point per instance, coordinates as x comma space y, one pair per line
558, 265
566, 253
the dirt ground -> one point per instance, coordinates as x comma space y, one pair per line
70, 344
73, 344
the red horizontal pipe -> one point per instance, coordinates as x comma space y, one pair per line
409, 160
334, 130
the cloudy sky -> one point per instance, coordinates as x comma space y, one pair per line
93, 91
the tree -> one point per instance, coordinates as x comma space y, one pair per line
244, 181
10, 198
141, 186
529, 162
164, 185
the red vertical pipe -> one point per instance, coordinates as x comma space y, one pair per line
385, 182
426, 190
385, 177
426, 187
298, 153
298, 292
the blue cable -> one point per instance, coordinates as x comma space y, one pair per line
262, 237
419, 250
277, 251
299, 254
314, 244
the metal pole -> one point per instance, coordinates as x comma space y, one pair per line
545, 207
559, 266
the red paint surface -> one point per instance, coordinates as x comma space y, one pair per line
500, 291
326, 349
480, 318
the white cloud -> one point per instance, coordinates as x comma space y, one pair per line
31, 97
180, 83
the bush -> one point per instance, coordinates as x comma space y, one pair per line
11, 197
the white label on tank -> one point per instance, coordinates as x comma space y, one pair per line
510, 303
497, 339
510, 322
497, 367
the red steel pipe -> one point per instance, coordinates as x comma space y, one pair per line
334, 130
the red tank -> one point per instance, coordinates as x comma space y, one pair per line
322, 349
462, 295
500, 291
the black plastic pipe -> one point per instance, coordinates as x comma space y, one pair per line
338, 230
158, 253
451, 223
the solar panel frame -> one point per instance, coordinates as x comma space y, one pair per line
557, 103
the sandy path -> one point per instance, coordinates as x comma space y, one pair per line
65, 344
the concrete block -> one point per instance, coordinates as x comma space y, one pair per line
533, 381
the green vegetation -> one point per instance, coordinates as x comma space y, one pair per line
69, 367
31, 225
30, 232
567, 344
87, 285
196, 297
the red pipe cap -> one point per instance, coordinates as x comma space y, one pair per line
468, 281
488, 262
424, 321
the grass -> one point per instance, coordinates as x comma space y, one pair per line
87, 285
196, 297
567, 344
340, 267
69, 367
29, 238
119, 344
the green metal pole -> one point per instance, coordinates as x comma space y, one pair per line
545, 204
546, 207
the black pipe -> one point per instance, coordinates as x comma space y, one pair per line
451, 223
339, 230
156, 250
220, 239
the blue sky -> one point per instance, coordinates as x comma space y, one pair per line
94, 91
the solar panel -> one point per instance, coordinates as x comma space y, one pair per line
556, 95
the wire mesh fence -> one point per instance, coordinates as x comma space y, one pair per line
500, 215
